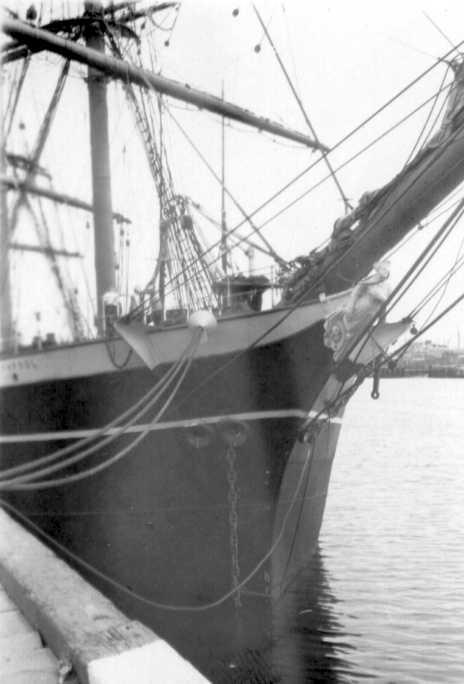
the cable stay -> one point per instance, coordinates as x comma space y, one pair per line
277, 194
40, 143
406, 281
441, 32
353, 132
177, 235
269, 251
177, 241
182, 259
422, 138
17, 477
396, 355
11, 109
31, 167
324, 152
70, 303
239, 240
440, 284
365, 334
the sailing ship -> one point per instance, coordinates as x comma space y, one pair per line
177, 451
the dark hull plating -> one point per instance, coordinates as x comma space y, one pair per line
158, 521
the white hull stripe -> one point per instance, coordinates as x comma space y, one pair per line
79, 434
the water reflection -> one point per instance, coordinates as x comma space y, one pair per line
306, 642
385, 601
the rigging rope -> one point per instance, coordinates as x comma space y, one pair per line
288, 312
444, 285
167, 606
359, 127
325, 413
247, 218
436, 288
396, 355
304, 194
133, 593
36, 155
24, 484
146, 400
386, 307
436, 242
340, 142
303, 110
9, 115
365, 335
350, 160
363, 123
429, 116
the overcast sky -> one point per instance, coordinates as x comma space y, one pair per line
346, 59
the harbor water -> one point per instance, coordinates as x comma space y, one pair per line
384, 598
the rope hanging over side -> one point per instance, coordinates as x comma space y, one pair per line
167, 606
116, 427
21, 485
232, 497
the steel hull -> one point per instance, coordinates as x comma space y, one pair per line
158, 521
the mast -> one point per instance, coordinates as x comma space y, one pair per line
223, 193
163, 225
223, 208
6, 323
100, 157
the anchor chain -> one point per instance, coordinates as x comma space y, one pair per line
232, 496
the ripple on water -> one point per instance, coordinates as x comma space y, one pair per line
383, 601
393, 534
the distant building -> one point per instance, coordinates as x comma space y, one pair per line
429, 358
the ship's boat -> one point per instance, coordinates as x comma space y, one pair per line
177, 449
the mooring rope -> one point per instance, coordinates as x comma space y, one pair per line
24, 484
169, 606
147, 401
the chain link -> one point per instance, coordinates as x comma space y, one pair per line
232, 496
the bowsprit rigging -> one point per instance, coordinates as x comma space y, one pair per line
196, 419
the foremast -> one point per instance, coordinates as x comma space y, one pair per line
100, 159
91, 26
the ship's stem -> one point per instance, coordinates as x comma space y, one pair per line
101, 178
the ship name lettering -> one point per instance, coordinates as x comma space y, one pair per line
23, 364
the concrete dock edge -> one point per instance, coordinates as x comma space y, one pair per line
79, 625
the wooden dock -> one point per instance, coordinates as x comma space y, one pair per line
55, 627
24, 659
